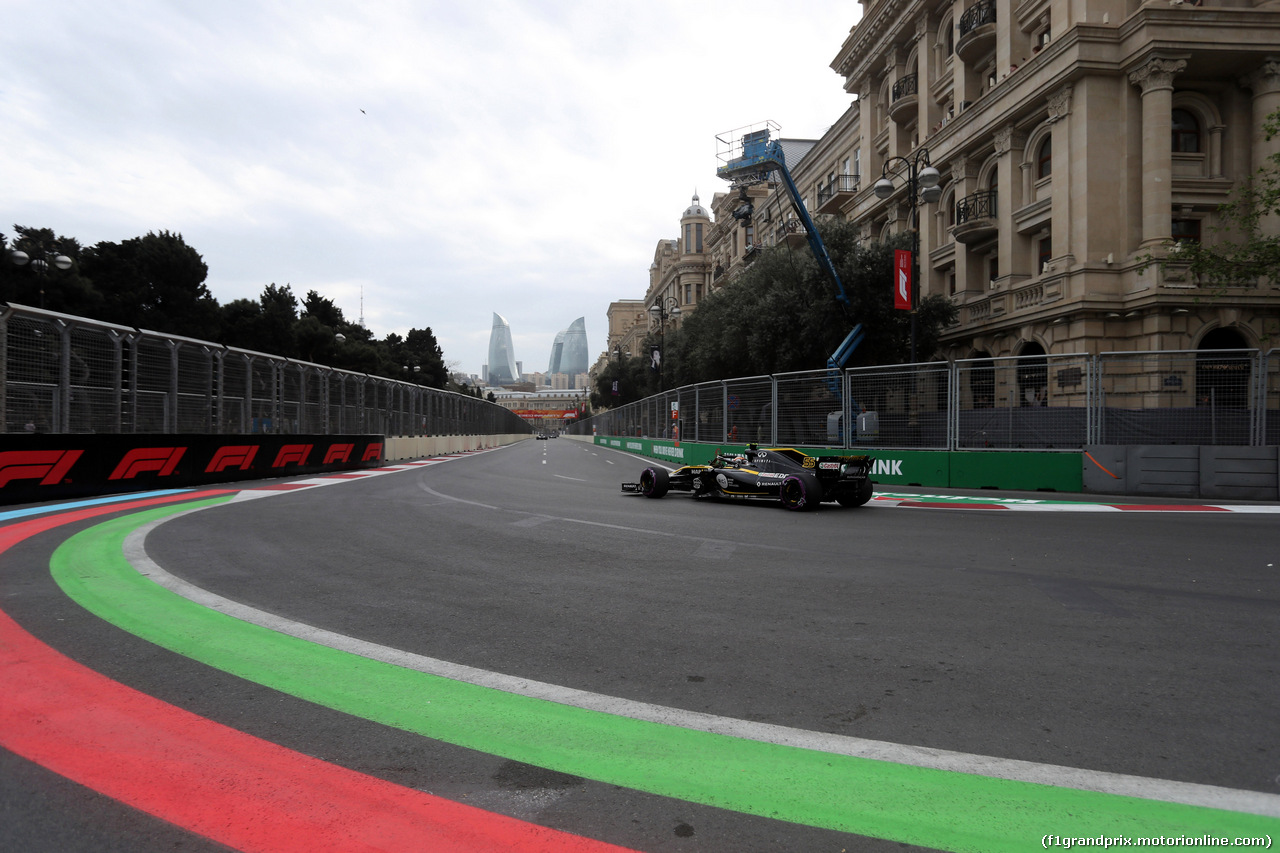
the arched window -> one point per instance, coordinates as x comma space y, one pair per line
1044, 158
1186, 132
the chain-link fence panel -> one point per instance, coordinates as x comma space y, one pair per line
94, 374
1023, 402
708, 417
1201, 398
33, 368
902, 406
749, 410
193, 384
810, 409
232, 393
1269, 408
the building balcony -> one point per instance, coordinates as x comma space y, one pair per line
792, 234
903, 100
833, 195
977, 31
976, 218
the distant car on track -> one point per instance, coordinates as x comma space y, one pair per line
798, 480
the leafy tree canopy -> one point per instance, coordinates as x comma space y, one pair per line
781, 314
154, 282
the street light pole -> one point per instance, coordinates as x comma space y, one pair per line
922, 186
663, 308
40, 264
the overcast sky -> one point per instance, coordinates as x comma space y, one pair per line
452, 159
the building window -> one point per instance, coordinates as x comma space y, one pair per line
1044, 158
688, 294
1044, 251
697, 238
1186, 132
688, 239
1186, 230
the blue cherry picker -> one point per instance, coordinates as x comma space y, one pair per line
749, 155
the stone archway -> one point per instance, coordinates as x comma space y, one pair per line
1222, 378
1033, 376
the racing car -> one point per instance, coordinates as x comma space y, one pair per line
795, 478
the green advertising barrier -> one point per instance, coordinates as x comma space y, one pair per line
1023, 470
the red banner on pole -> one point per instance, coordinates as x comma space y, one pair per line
902, 279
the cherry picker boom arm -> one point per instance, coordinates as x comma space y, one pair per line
758, 156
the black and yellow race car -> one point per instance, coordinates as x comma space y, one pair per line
797, 479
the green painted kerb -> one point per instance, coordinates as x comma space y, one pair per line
932, 808
1023, 470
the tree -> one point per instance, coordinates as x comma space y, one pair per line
324, 310
422, 349
634, 381
1248, 244
154, 282
781, 314
241, 324
279, 315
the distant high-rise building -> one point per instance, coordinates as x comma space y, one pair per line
557, 348
502, 359
569, 352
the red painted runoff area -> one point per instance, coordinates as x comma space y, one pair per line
225, 785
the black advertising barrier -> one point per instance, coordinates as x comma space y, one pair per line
68, 465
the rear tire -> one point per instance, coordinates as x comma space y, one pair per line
801, 492
653, 482
858, 497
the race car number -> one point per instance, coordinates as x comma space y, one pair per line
809, 461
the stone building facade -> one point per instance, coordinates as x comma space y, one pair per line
1075, 142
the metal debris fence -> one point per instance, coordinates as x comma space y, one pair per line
1042, 402
65, 374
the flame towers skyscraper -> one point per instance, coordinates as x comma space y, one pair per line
502, 357
569, 352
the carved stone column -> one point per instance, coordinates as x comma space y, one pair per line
1265, 83
1009, 144
1061, 221
1155, 79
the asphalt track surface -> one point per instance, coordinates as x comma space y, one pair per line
501, 651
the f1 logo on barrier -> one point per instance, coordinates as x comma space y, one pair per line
49, 466
338, 453
139, 460
240, 455
292, 453
372, 453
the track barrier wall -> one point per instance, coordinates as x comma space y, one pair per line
1026, 471
53, 467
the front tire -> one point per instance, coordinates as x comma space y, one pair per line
653, 482
801, 492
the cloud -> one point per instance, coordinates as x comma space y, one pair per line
447, 160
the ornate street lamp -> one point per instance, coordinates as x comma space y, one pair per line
40, 264
922, 186
659, 312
